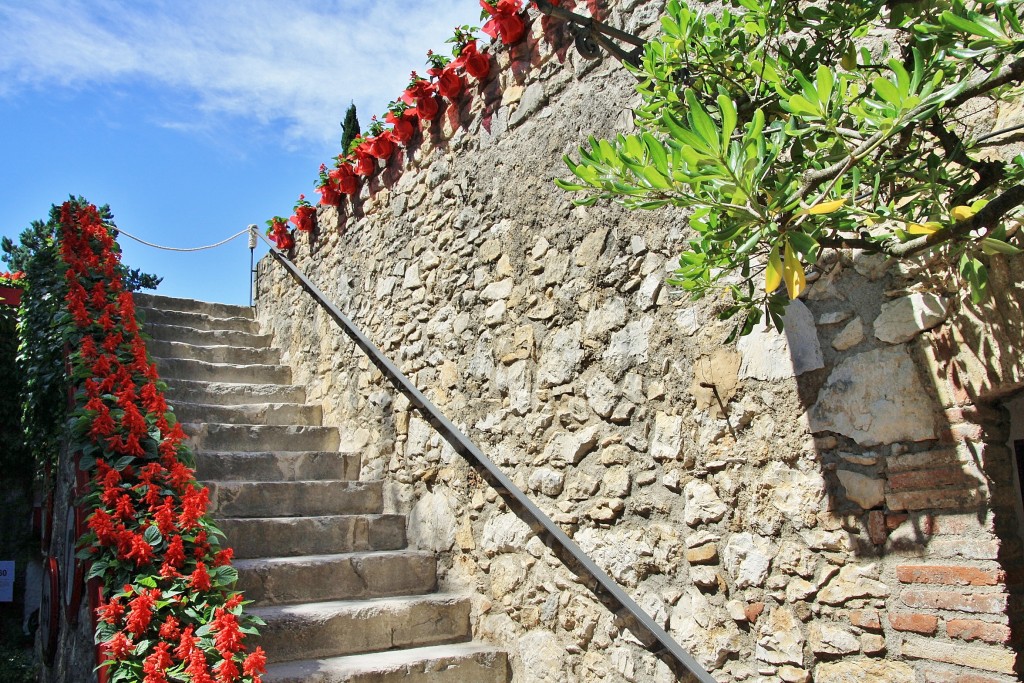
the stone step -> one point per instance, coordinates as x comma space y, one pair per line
251, 413
191, 335
235, 355
455, 663
348, 576
330, 629
295, 498
173, 369
199, 321
232, 393
291, 536
259, 438
170, 303
276, 466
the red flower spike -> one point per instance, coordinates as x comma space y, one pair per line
119, 647
200, 578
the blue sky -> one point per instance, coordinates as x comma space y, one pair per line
192, 119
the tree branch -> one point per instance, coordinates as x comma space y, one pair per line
977, 85
989, 172
986, 218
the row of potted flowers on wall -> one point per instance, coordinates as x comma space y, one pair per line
419, 103
167, 610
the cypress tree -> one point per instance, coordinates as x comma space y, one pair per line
349, 128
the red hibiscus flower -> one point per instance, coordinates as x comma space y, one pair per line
346, 178
477, 64
505, 21
420, 94
305, 215
404, 125
381, 146
449, 83
366, 163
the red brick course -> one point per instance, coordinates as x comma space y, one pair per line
973, 629
930, 479
987, 603
950, 575
934, 675
915, 623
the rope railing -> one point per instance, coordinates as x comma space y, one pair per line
653, 636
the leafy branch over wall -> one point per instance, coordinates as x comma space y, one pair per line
788, 128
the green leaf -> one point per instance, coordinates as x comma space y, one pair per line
805, 244
887, 91
824, 81
728, 109
703, 125
656, 151
967, 26
990, 245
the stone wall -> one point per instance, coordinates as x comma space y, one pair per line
844, 517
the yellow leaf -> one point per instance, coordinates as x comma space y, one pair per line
773, 273
962, 213
793, 273
825, 207
923, 229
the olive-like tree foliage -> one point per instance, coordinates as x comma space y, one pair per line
787, 128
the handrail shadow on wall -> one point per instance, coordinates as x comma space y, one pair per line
654, 638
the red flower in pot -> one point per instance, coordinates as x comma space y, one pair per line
505, 21
420, 94
328, 188
279, 233
380, 144
403, 120
477, 64
305, 215
449, 83
366, 163
345, 176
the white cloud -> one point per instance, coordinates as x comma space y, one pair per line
297, 62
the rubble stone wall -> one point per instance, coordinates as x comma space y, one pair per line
829, 504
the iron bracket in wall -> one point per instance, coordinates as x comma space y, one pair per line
593, 35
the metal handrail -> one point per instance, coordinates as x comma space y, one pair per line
518, 501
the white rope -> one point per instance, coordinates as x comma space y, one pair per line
209, 246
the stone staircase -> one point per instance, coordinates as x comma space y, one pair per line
343, 598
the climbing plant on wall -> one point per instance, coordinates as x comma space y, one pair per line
790, 128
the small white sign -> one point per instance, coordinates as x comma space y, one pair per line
6, 581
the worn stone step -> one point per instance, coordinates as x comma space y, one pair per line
199, 321
291, 536
452, 663
191, 335
250, 413
276, 466
295, 498
173, 369
330, 629
235, 355
258, 438
232, 393
171, 303
347, 576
